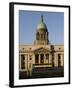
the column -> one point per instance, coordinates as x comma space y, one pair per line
62, 60
33, 59
56, 60
39, 58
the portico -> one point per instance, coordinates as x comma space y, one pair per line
43, 58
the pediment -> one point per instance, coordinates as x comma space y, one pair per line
42, 49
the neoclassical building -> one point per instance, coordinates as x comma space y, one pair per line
42, 53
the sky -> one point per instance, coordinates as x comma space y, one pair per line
28, 21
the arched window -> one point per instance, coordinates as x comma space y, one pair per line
37, 36
41, 36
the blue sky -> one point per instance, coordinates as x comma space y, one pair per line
28, 21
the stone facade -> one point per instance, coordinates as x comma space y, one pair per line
41, 55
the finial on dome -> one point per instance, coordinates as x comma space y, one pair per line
41, 18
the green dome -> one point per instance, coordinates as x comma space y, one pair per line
41, 25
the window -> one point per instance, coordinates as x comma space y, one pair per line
30, 57
36, 59
59, 48
41, 58
59, 58
22, 61
30, 48
42, 36
23, 48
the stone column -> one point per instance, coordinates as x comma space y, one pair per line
62, 60
56, 60
33, 60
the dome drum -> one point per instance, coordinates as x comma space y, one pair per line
41, 33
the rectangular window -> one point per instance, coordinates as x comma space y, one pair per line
42, 58
59, 58
22, 61
30, 57
36, 59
